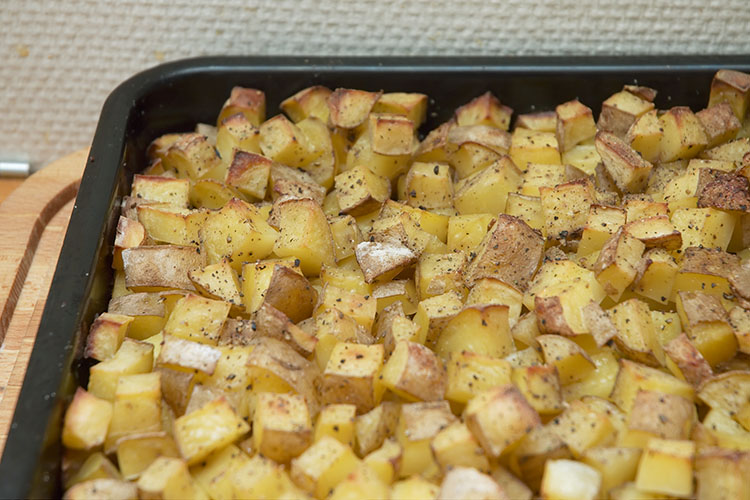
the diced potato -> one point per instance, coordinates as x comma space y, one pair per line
360, 191
616, 266
658, 415
137, 407
531, 146
114, 489
481, 329
471, 373
499, 417
666, 467
137, 451
250, 102
575, 124
732, 87
96, 466
602, 222
633, 377
571, 361
373, 427
626, 166
616, 465
238, 233
282, 428
414, 373
566, 208
86, 421
636, 334
349, 108
206, 430
130, 233
385, 462
707, 324
570, 480
540, 385
455, 446
160, 267
418, 424
414, 487
131, 358
620, 111
312, 101
322, 466
260, 477
191, 156
106, 335
168, 478
485, 109
411, 105
338, 422
685, 361
197, 319
304, 233
722, 474
249, 173
466, 483
719, 122
510, 252
352, 376
486, 191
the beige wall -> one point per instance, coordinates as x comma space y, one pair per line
60, 58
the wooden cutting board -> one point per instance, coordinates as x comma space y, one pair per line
33, 220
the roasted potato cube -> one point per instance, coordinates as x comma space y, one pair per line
361, 308
656, 274
385, 462
720, 123
466, 483
636, 335
429, 186
531, 146
198, 319
114, 489
346, 235
237, 232
486, 191
391, 134
658, 415
338, 422
402, 291
570, 480
538, 447
465, 232
249, 173
415, 373
540, 385
312, 101
86, 421
475, 147
360, 191
284, 142
571, 361
192, 156
322, 466
434, 313
163, 224
726, 191
575, 124
485, 109
352, 376
280, 286
96, 466
722, 474
705, 227
168, 477
482, 329
383, 261
683, 137
633, 377
137, 451
131, 358
739, 318
685, 361
137, 407
130, 233
275, 364
566, 208
363, 481
542, 121
206, 430
510, 252
155, 268
180, 353
282, 428
146, 309
373, 427
616, 465
436, 274
218, 281
655, 232
732, 87
414, 487
411, 105
250, 102
620, 111
602, 222
418, 424
469, 373
106, 335
350, 108
491, 291
499, 417
666, 467
235, 135
456, 446
626, 166
430, 222
616, 266
707, 325
539, 175
304, 233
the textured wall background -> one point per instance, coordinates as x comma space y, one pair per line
60, 58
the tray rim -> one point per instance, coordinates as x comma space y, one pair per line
51, 357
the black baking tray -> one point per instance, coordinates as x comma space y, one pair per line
175, 96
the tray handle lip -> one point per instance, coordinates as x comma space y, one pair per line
70, 285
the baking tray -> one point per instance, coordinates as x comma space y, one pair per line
175, 96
